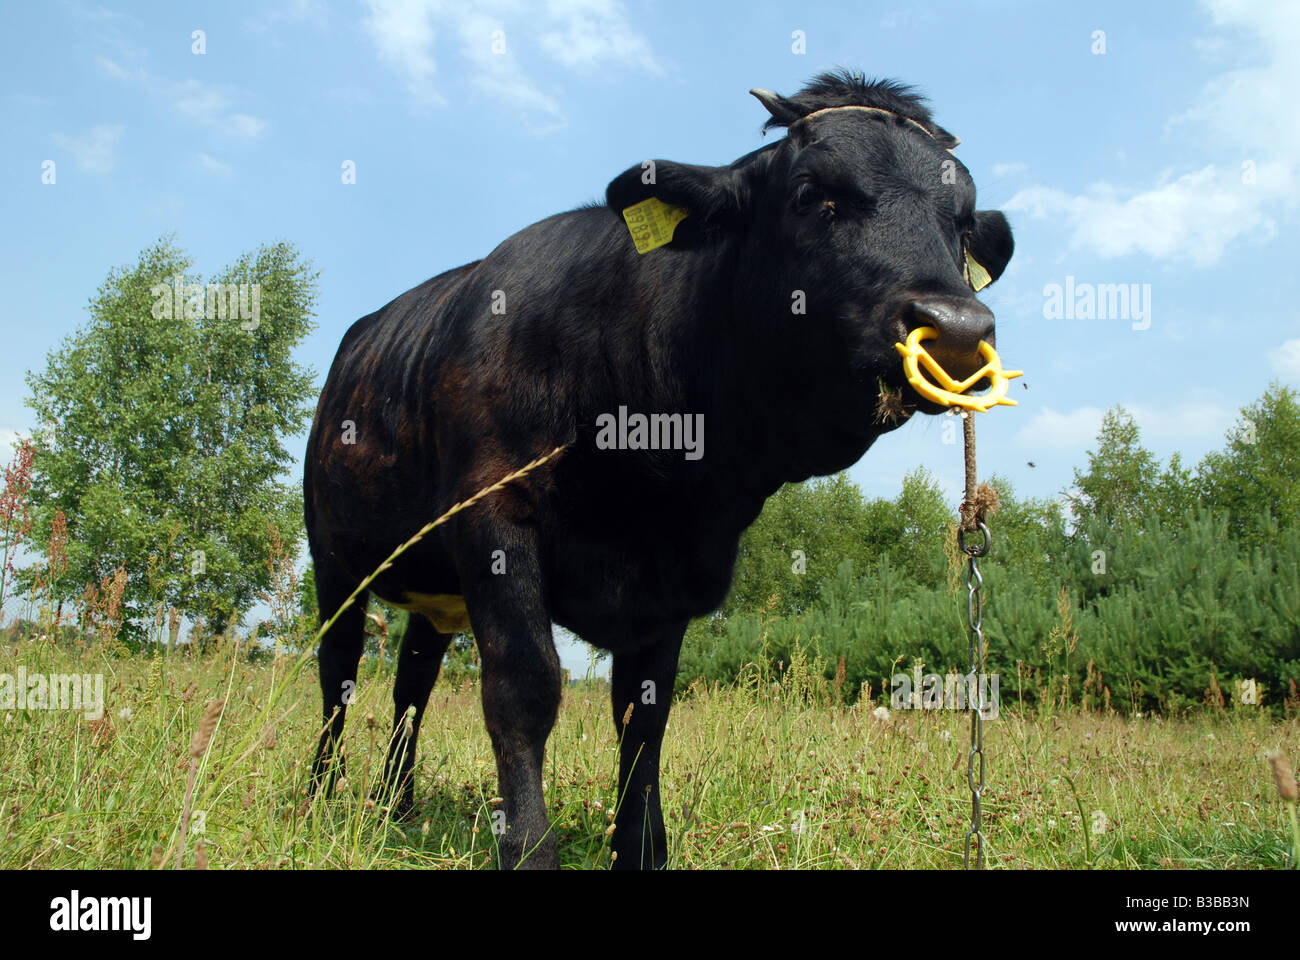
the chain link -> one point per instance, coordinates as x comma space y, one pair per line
975, 616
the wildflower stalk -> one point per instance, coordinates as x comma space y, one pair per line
15, 511
1290, 794
198, 747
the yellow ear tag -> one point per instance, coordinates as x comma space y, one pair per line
652, 222
977, 276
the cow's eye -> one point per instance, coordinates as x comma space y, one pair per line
805, 198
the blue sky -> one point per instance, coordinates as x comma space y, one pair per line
1169, 161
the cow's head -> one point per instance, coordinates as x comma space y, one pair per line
866, 211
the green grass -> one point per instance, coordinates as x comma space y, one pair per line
757, 775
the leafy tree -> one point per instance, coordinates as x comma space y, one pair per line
1174, 496
1116, 486
807, 530
162, 431
926, 522
803, 533
1255, 481
1028, 534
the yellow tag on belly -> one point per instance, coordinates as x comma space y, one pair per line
652, 222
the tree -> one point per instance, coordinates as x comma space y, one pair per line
1175, 495
926, 522
806, 530
1256, 479
803, 533
1028, 535
1115, 488
162, 423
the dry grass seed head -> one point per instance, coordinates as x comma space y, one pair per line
203, 736
1283, 777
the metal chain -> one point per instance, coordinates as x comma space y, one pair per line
975, 616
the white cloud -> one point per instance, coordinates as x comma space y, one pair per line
1177, 425
8, 440
96, 13
1075, 430
578, 34
1168, 426
1286, 359
1193, 217
1009, 169
244, 126
498, 75
296, 11
197, 102
402, 31
591, 32
1252, 108
213, 165
1241, 117
208, 107
909, 19
112, 68
93, 151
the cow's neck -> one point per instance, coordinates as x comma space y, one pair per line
773, 412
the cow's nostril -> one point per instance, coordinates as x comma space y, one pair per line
962, 323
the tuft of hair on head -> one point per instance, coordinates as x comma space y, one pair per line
843, 87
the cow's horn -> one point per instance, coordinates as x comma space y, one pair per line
780, 109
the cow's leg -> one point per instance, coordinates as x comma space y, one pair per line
521, 685
339, 654
644, 679
417, 671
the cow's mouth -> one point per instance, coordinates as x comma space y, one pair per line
897, 399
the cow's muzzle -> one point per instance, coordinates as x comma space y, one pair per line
962, 323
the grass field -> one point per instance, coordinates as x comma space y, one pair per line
759, 775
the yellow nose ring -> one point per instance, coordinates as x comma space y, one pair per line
947, 391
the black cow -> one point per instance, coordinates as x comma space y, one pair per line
772, 314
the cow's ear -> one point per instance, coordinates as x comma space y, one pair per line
990, 244
711, 195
